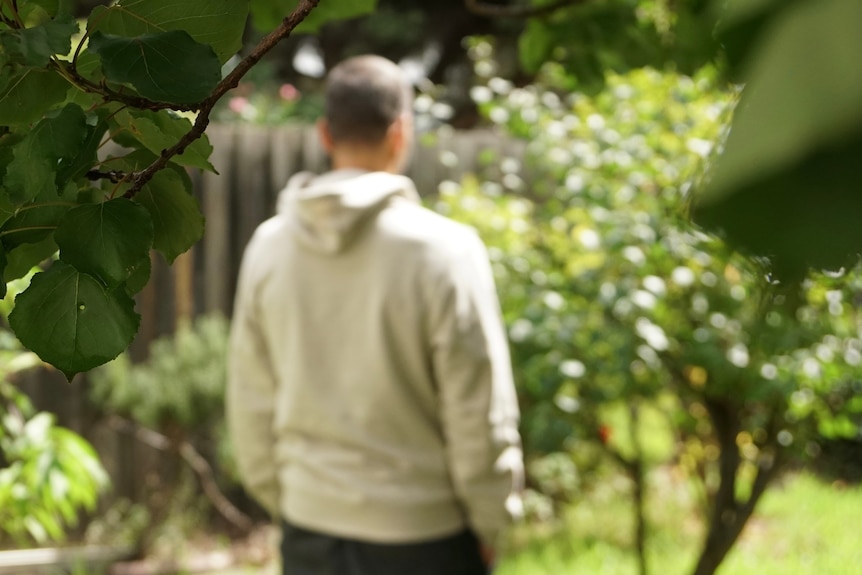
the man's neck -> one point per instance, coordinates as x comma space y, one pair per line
361, 159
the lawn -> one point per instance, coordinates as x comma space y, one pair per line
803, 526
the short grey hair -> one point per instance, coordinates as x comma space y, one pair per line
364, 97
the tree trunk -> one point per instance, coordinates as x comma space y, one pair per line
636, 470
729, 516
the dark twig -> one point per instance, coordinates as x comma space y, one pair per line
114, 176
228, 83
509, 11
195, 460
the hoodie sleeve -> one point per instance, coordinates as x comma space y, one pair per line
250, 396
478, 404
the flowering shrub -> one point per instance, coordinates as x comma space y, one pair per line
633, 333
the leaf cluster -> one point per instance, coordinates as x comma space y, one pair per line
49, 473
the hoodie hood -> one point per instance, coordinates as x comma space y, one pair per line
327, 212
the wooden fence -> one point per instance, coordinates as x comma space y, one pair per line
253, 163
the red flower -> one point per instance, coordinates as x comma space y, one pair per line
604, 434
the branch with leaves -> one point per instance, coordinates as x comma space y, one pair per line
135, 76
231, 81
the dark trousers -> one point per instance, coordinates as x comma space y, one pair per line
305, 552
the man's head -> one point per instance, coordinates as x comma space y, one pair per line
367, 116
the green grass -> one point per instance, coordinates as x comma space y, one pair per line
801, 527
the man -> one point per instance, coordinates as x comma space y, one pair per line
370, 396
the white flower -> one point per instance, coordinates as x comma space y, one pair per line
589, 238
699, 146
768, 371
643, 299
554, 300
573, 368
575, 182
738, 355
651, 333
655, 284
567, 404
595, 122
635, 255
811, 367
682, 276
521, 330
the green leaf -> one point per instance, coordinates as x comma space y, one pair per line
268, 14
217, 23
2, 271
89, 66
107, 240
74, 166
177, 220
51, 144
787, 183
72, 321
535, 45
29, 8
139, 277
35, 46
742, 22
26, 95
24, 258
166, 66
33, 223
157, 131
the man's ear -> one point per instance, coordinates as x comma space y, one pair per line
324, 135
396, 135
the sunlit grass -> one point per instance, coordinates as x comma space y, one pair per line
802, 527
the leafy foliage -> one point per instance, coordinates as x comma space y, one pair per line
592, 38
182, 382
67, 88
51, 472
48, 474
614, 300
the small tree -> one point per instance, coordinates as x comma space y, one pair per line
617, 304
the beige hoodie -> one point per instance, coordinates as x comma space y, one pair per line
370, 391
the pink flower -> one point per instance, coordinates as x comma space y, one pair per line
237, 104
288, 92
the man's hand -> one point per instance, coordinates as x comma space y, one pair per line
489, 555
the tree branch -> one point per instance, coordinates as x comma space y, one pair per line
228, 83
70, 72
195, 460
508, 11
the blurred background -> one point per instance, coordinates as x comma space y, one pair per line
666, 192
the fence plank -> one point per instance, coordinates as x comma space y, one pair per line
215, 197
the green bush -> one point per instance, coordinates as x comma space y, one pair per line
178, 390
632, 331
180, 384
